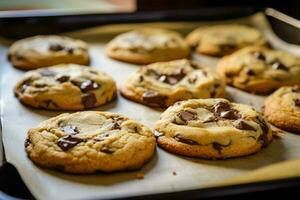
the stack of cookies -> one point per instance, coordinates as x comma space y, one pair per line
198, 120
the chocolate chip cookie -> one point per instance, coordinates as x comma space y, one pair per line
260, 70
282, 108
212, 128
220, 40
47, 50
162, 84
147, 45
65, 87
90, 141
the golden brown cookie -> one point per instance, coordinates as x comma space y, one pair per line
220, 40
147, 45
65, 87
46, 50
282, 108
162, 84
260, 70
212, 128
90, 141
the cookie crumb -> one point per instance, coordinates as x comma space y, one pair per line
140, 175
174, 173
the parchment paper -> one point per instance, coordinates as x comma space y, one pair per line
159, 172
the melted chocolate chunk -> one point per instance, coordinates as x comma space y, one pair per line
217, 146
27, 142
171, 79
223, 110
88, 100
279, 66
259, 56
154, 99
107, 150
86, 86
116, 126
62, 78
141, 79
178, 138
56, 47
187, 115
47, 72
194, 65
263, 138
250, 72
296, 89
68, 142
240, 124
297, 102
70, 129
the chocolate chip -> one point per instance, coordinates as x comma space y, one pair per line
56, 47
178, 138
259, 56
296, 89
62, 78
213, 93
27, 142
47, 72
107, 150
88, 100
194, 65
240, 124
154, 99
187, 115
70, 129
87, 85
221, 106
279, 66
217, 146
69, 50
297, 102
68, 142
250, 72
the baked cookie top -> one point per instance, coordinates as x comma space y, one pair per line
65, 87
260, 70
212, 128
46, 50
148, 45
90, 141
220, 40
282, 108
162, 84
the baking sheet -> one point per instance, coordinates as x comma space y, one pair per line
166, 172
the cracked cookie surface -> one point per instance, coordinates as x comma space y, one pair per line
46, 50
65, 87
282, 108
260, 70
221, 40
147, 45
212, 128
90, 141
162, 84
